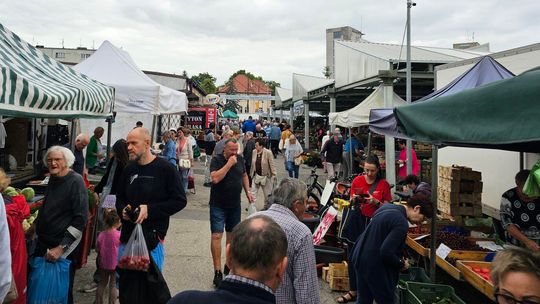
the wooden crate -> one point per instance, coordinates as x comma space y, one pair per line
338, 269
459, 173
474, 279
459, 209
339, 283
414, 245
452, 270
460, 186
459, 197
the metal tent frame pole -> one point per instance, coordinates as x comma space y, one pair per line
350, 154
434, 184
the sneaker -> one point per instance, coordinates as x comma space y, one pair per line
226, 271
207, 184
90, 287
218, 277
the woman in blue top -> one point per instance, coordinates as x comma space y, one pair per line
169, 148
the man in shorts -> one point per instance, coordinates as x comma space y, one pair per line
228, 175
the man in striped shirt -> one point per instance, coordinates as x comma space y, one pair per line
300, 284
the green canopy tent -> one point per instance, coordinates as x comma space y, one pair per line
501, 115
36, 86
230, 114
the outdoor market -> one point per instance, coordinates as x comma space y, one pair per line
406, 174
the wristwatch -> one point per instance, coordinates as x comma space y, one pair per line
64, 247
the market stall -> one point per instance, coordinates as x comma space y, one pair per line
137, 97
36, 87
479, 118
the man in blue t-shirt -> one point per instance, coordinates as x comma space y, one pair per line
357, 149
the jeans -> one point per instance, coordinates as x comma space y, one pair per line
223, 218
184, 174
293, 169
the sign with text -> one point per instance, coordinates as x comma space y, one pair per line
326, 221
200, 118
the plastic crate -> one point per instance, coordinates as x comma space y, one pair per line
415, 274
424, 293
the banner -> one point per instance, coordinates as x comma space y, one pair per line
326, 221
200, 118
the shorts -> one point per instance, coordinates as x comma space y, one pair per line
221, 218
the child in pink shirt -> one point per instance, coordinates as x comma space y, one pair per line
107, 248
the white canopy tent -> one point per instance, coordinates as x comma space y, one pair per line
359, 115
137, 98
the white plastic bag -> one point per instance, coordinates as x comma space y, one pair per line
135, 256
251, 209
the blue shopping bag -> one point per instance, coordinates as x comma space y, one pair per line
48, 282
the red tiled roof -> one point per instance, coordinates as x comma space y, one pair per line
244, 85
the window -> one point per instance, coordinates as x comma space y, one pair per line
60, 55
337, 35
84, 56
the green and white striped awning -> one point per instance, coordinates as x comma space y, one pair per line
34, 85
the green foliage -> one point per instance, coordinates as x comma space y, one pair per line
206, 81
326, 72
272, 85
232, 105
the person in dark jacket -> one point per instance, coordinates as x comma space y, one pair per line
416, 186
256, 272
149, 193
249, 146
108, 185
334, 153
64, 213
378, 253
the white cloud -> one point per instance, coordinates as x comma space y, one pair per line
270, 38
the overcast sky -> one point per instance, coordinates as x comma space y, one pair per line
270, 38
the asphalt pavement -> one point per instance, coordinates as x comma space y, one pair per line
188, 262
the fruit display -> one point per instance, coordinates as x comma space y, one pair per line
484, 272
452, 240
10, 191
140, 263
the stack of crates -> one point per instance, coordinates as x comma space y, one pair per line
459, 191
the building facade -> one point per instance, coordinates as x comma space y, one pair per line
345, 33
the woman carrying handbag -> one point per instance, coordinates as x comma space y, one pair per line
184, 153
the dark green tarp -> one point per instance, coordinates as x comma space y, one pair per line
501, 115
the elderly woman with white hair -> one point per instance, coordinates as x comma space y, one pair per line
64, 213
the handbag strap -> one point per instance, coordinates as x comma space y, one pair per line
374, 186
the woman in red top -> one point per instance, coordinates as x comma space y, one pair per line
365, 202
362, 184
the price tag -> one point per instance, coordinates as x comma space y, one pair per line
443, 251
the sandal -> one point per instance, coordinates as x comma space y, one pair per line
348, 297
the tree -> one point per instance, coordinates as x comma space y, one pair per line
206, 81
184, 73
272, 85
326, 72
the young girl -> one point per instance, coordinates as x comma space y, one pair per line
107, 248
